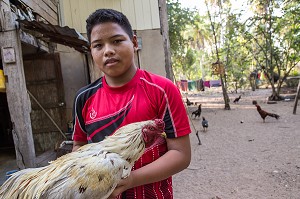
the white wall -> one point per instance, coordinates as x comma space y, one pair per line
142, 14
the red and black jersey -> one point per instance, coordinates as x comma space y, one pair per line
99, 110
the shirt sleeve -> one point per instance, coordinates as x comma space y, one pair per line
173, 112
79, 133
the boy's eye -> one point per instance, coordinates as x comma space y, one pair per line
117, 41
97, 46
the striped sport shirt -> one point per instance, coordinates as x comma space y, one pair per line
99, 110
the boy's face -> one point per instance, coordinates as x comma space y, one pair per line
113, 50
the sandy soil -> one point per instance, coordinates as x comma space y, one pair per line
241, 157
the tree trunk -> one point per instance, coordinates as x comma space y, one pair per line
275, 95
224, 88
165, 34
225, 95
296, 99
252, 83
236, 86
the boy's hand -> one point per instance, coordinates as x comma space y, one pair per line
123, 185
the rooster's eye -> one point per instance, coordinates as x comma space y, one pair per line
151, 128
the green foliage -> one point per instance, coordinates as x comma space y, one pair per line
268, 40
274, 36
188, 63
235, 53
295, 73
179, 19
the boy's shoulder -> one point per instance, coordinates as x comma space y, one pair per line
154, 83
155, 78
90, 89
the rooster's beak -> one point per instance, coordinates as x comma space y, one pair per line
164, 135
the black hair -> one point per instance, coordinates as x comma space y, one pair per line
108, 15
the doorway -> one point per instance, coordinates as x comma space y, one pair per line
7, 147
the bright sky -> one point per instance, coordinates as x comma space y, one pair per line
200, 5
192, 3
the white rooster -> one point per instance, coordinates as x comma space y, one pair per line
93, 171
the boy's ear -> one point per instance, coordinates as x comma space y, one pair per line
135, 42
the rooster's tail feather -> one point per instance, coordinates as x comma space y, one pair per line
274, 115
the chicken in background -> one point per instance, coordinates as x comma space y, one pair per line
263, 113
93, 171
236, 100
188, 102
204, 124
197, 112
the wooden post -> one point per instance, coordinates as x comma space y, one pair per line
165, 34
296, 98
16, 91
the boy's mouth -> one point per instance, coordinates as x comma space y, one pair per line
110, 61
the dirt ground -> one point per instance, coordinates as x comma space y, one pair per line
241, 157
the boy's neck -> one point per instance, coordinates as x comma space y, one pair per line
121, 80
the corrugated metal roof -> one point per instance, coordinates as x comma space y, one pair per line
57, 34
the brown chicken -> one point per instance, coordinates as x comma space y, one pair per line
263, 113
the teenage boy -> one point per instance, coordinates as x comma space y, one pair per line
127, 94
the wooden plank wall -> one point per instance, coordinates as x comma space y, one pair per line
142, 14
46, 8
44, 81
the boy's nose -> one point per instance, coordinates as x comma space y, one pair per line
108, 50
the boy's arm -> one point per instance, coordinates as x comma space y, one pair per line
77, 145
176, 159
